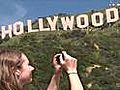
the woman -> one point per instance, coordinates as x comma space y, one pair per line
15, 71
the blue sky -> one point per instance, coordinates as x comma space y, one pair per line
14, 10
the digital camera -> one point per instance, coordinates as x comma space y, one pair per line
58, 58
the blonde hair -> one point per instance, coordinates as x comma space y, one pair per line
10, 61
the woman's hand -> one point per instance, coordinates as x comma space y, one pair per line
56, 64
70, 63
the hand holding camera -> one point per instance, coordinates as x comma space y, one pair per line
65, 61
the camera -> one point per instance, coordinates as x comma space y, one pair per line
58, 58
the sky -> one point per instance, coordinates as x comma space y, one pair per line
15, 10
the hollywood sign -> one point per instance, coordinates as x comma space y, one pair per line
82, 21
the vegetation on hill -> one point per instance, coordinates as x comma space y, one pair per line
97, 52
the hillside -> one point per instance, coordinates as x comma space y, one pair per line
98, 54
97, 51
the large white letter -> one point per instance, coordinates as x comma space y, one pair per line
82, 21
112, 15
52, 22
5, 32
41, 26
97, 19
29, 23
67, 22
18, 28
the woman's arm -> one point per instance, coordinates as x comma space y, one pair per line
54, 83
75, 83
70, 66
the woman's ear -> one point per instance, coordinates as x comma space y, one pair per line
18, 72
